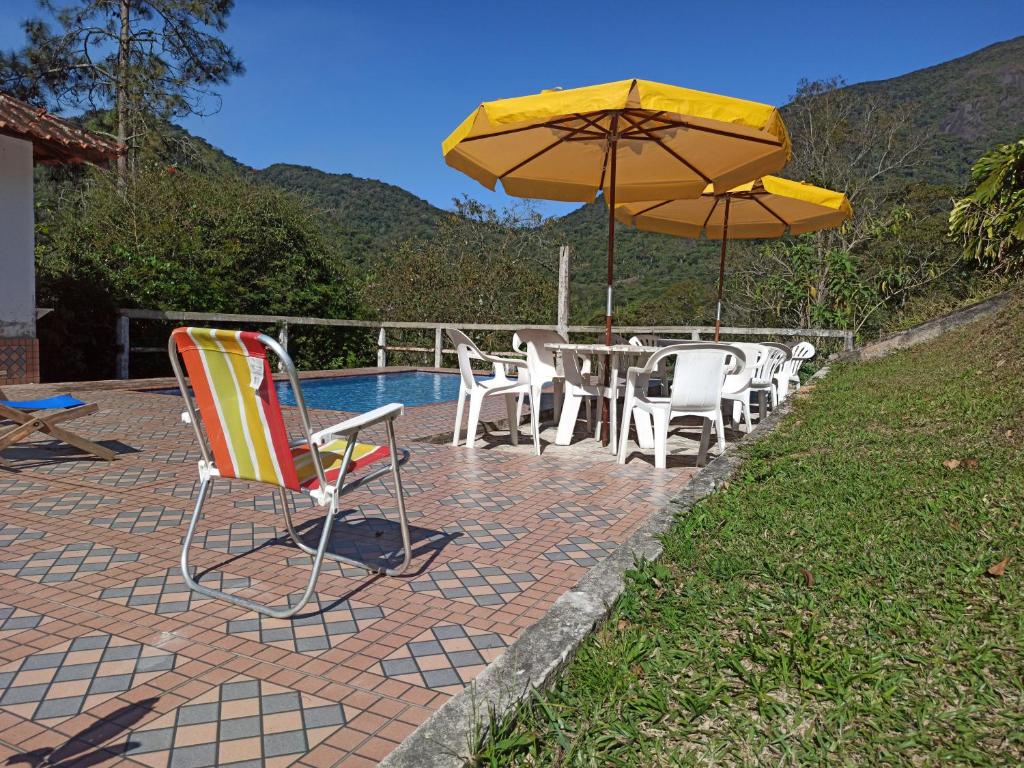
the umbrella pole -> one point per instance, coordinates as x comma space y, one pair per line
721, 272
613, 140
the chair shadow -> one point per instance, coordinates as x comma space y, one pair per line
374, 540
55, 452
82, 750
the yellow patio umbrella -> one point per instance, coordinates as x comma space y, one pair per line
766, 207
631, 139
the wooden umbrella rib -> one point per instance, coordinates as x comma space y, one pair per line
764, 205
653, 207
676, 155
555, 124
710, 212
536, 154
666, 124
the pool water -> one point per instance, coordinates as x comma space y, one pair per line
364, 393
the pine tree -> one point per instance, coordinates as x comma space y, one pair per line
142, 59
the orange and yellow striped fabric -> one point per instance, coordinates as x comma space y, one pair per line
243, 423
234, 390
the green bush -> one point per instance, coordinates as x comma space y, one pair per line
182, 240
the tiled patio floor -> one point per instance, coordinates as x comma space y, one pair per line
107, 658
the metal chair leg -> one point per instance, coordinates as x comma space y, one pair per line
339, 489
277, 613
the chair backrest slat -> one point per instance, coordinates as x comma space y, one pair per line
234, 389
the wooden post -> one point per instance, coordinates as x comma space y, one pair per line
437, 347
382, 348
123, 346
564, 254
282, 339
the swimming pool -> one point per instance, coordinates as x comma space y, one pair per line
366, 392
359, 394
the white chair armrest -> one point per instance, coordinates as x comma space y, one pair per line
384, 413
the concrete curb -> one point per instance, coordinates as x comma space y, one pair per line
449, 737
931, 329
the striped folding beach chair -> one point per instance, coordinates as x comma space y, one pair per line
234, 399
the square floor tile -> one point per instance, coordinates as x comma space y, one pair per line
574, 513
238, 538
469, 583
72, 502
484, 533
61, 681
167, 592
142, 520
68, 562
242, 722
14, 620
10, 534
477, 500
446, 657
580, 550
321, 624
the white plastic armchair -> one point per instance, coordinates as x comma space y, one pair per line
580, 388
543, 367
652, 340
756, 379
499, 384
698, 374
789, 374
777, 361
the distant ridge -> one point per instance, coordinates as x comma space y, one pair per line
962, 107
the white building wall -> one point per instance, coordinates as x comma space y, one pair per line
17, 240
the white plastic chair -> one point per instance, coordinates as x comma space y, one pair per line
763, 361
499, 384
789, 374
698, 374
776, 365
541, 363
652, 340
580, 388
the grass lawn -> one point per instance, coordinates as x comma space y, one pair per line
839, 602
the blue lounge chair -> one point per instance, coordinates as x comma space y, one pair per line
45, 415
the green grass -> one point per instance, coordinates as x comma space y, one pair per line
831, 606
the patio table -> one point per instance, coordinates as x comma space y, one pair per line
615, 353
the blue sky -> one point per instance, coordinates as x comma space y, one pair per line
372, 88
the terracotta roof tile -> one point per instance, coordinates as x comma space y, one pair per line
53, 140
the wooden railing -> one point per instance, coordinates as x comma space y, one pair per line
283, 322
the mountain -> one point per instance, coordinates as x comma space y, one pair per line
962, 107
381, 211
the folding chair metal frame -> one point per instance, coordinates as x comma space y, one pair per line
327, 494
46, 422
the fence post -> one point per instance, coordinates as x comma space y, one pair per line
848, 341
694, 336
123, 346
282, 339
382, 348
437, 347
564, 254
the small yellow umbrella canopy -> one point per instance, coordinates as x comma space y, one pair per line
767, 207
632, 139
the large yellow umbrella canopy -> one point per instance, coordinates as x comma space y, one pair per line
633, 139
671, 142
767, 207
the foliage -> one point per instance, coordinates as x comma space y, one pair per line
370, 214
836, 602
147, 59
182, 240
893, 249
989, 222
480, 266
